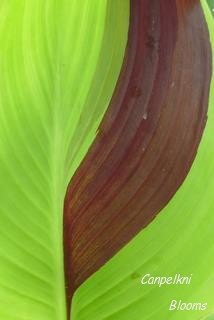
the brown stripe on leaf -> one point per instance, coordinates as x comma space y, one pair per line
148, 138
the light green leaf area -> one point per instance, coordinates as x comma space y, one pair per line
179, 240
211, 4
59, 63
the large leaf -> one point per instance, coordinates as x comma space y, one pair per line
179, 240
59, 63
148, 137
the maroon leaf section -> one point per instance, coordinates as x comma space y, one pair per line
148, 138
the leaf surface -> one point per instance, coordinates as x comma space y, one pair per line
179, 240
148, 138
59, 63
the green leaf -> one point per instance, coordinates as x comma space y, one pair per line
59, 63
211, 5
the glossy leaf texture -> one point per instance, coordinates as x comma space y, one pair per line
179, 240
59, 63
148, 138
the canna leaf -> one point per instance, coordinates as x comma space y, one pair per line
103, 131
179, 240
148, 138
59, 63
